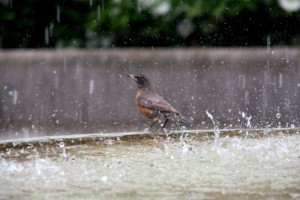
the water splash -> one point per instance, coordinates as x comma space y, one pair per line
248, 121
143, 166
216, 132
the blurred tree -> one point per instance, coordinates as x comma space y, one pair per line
122, 23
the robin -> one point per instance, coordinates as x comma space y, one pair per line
152, 105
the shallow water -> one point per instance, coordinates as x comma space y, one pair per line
160, 168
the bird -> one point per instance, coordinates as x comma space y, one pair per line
152, 105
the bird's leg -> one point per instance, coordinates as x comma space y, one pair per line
165, 123
153, 123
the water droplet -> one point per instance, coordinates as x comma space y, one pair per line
185, 28
243, 115
104, 178
61, 145
278, 115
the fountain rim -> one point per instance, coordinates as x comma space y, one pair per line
74, 139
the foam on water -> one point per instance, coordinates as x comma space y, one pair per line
164, 168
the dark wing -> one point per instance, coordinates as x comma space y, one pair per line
156, 102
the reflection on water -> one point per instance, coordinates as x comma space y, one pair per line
159, 168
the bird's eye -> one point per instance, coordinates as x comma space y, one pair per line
138, 76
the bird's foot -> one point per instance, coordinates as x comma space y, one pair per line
163, 130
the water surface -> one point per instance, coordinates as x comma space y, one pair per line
235, 167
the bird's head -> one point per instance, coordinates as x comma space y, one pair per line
141, 80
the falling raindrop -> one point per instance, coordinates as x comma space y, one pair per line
14, 95
56, 82
58, 13
139, 8
91, 87
47, 35
246, 98
280, 80
98, 12
65, 64
242, 81
268, 43
25, 132
265, 103
91, 3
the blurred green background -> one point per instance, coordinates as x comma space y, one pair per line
148, 23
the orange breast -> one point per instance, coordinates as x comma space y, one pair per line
145, 111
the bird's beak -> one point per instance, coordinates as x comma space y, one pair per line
131, 76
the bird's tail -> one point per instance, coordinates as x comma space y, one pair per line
180, 117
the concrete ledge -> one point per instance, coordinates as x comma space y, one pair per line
100, 138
